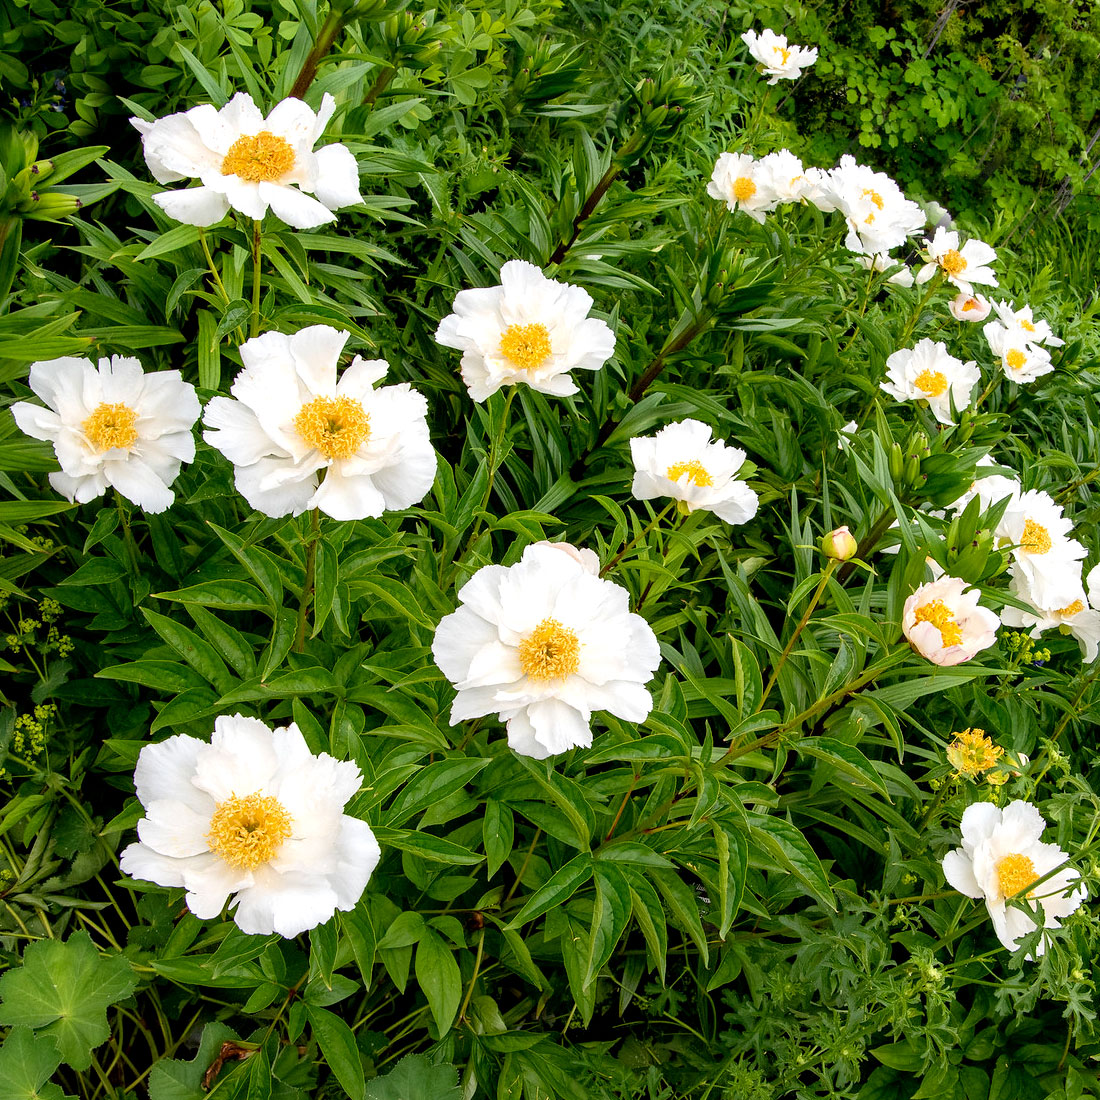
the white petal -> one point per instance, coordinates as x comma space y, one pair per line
173, 828
558, 726
286, 904
316, 351
193, 206
164, 772
337, 178
959, 872
241, 759
357, 856
297, 209
139, 482
521, 737
209, 882
174, 149
347, 498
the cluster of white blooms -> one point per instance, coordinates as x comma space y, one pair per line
757, 187
1017, 339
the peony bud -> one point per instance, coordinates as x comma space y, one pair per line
839, 544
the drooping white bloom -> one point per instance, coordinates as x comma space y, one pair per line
542, 644
112, 425
256, 815
1001, 856
880, 218
884, 262
961, 266
250, 163
529, 329
742, 184
683, 462
1021, 361
1076, 617
299, 438
969, 307
944, 623
989, 488
1038, 533
776, 58
1022, 322
928, 372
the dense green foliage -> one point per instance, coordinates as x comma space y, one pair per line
740, 897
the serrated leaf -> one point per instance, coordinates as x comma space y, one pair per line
415, 1078
27, 1062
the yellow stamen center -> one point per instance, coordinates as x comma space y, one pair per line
875, 197
743, 189
1027, 326
1036, 538
1074, 608
259, 158
693, 470
972, 753
971, 303
1015, 873
783, 53
335, 426
1015, 359
111, 426
932, 382
953, 262
550, 652
939, 615
247, 832
526, 346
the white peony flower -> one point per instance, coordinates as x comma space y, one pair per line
529, 329
1001, 856
1048, 559
961, 266
743, 184
1021, 322
786, 178
943, 622
880, 218
928, 372
113, 425
543, 643
249, 163
299, 439
969, 307
1021, 361
681, 461
1075, 617
990, 489
846, 435
253, 814
776, 58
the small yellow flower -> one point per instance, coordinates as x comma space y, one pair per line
972, 753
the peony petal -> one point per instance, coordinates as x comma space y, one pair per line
337, 177
315, 352
194, 206
165, 770
959, 872
558, 726
139, 482
297, 209
173, 828
286, 904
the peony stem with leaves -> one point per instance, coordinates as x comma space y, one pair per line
256, 242
307, 585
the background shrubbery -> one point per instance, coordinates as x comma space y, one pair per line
649, 918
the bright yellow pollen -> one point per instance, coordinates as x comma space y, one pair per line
111, 426
952, 262
939, 615
932, 382
1036, 538
1015, 873
247, 832
1074, 608
259, 158
1015, 359
550, 652
743, 189
1027, 325
785, 54
972, 753
335, 426
971, 303
694, 470
526, 346
876, 198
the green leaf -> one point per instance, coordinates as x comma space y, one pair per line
176, 1079
430, 785
439, 978
27, 1062
415, 1078
227, 595
171, 241
559, 888
63, 989
196, 651
337, 1044
844, 757
427, 846
784, 843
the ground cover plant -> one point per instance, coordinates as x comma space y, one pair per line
530, 569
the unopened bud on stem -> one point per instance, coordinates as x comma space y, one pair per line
839, 544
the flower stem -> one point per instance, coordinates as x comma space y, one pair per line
307, 584
381, 82
473, 977
637, 538
331, 27
127, 535
933, 286
826, 573
256, 235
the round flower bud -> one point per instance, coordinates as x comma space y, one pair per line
839, 544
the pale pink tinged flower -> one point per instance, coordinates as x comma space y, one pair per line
927, 372
112, 425
943, 622
542, 644
301, 438
1038, 535
528, 329
1021, 361
250, 163
1003, 856
740, 182
969, 307
254, 819
777, 59
962, 267
683, 462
